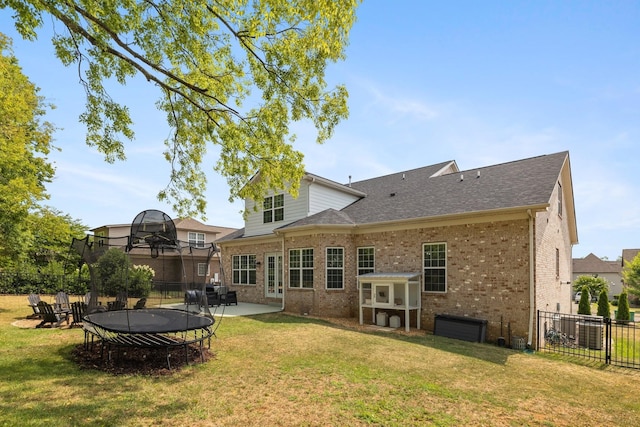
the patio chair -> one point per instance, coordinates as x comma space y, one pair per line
78, 309
49, 315
140, 304
115, 305
62, 302
228, 297
122, 298
34, 299
213, 296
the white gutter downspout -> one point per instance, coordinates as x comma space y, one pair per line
282, 272
531, 278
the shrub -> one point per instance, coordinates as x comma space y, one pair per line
623, 307
603, 304
585, 304
115, 274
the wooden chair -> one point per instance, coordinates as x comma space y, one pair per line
140, 304
34, 299
62, 303
49, 315
78, 309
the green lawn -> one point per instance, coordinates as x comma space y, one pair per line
281, 370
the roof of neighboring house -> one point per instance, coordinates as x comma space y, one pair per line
195, 225
628, 255
189, 224
592, 264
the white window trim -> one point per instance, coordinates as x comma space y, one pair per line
233, 270
301, 268
446, 266
327, 268
358, 258
273, 208
202, 266
194, 239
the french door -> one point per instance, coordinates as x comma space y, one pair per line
273, 275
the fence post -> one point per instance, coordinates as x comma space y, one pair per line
607, 342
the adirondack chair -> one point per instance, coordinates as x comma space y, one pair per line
140, 304
62, 303
78, 309
34, 299
49, 315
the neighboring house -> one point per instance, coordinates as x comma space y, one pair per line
172, 266
591, 265
492, 243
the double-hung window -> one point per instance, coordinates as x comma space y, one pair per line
301, 268
366, 260
434, 256
273, 208
244, 269
203, 269
335, 268
196, 239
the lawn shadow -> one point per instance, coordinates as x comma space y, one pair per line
483, 351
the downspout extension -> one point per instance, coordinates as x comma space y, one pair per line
531, 278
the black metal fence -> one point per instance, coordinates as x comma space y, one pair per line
606, 340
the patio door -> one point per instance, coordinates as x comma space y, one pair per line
273, 275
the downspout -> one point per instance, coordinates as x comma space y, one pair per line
282, 272
531, 278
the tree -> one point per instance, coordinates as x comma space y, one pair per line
594, 284
631, 275
584, 307
603, 304
206, 58
623, 307
25, 142
51, 233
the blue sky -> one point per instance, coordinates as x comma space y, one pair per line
476, 82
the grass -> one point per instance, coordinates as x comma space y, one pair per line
282, 370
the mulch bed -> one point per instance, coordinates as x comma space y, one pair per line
138, 361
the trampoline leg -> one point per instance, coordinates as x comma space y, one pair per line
168, 359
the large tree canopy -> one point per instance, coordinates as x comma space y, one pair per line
25, 142
208, 58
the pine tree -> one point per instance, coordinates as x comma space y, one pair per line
603, 304
623, 307
585, 304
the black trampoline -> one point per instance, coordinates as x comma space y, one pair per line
154, 327
149, 328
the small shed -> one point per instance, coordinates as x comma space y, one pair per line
388, 292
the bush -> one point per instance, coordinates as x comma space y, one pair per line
116, 274
623, 307
585, 304
603, 304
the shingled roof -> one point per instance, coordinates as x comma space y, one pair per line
592, 264
417, 193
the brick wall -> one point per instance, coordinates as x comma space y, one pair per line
487, 272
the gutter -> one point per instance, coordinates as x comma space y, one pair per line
531, 278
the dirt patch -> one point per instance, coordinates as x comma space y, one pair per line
138, 361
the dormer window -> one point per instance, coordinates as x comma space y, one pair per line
273, 208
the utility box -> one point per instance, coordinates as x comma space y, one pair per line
381, 319
460, 327
394, 321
